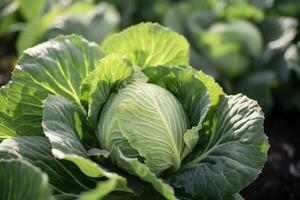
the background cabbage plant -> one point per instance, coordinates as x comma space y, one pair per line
241, 43
23, 25
49, 18
128, 120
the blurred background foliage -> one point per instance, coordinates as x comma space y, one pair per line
243, 44
249, 46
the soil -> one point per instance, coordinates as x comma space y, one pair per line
280, 178
7, 57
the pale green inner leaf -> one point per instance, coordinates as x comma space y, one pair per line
190, 91
149, 44
152, 121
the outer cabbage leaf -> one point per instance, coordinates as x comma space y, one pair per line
21, 180
150, 119
6, 129
64, 178
234, 156
214, 89
110, 74
135, 167
149, 44
54, 67
62, 126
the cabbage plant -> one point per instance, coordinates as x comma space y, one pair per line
50, 18
292, 57
127, 120
240, 42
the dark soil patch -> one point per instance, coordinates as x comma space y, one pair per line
7, 57
280, 178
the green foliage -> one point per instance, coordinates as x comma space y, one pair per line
240, 43
50, 18
135, 122
82, 18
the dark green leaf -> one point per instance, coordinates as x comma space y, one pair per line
64, 178
21, 180
234, 156
62, 126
